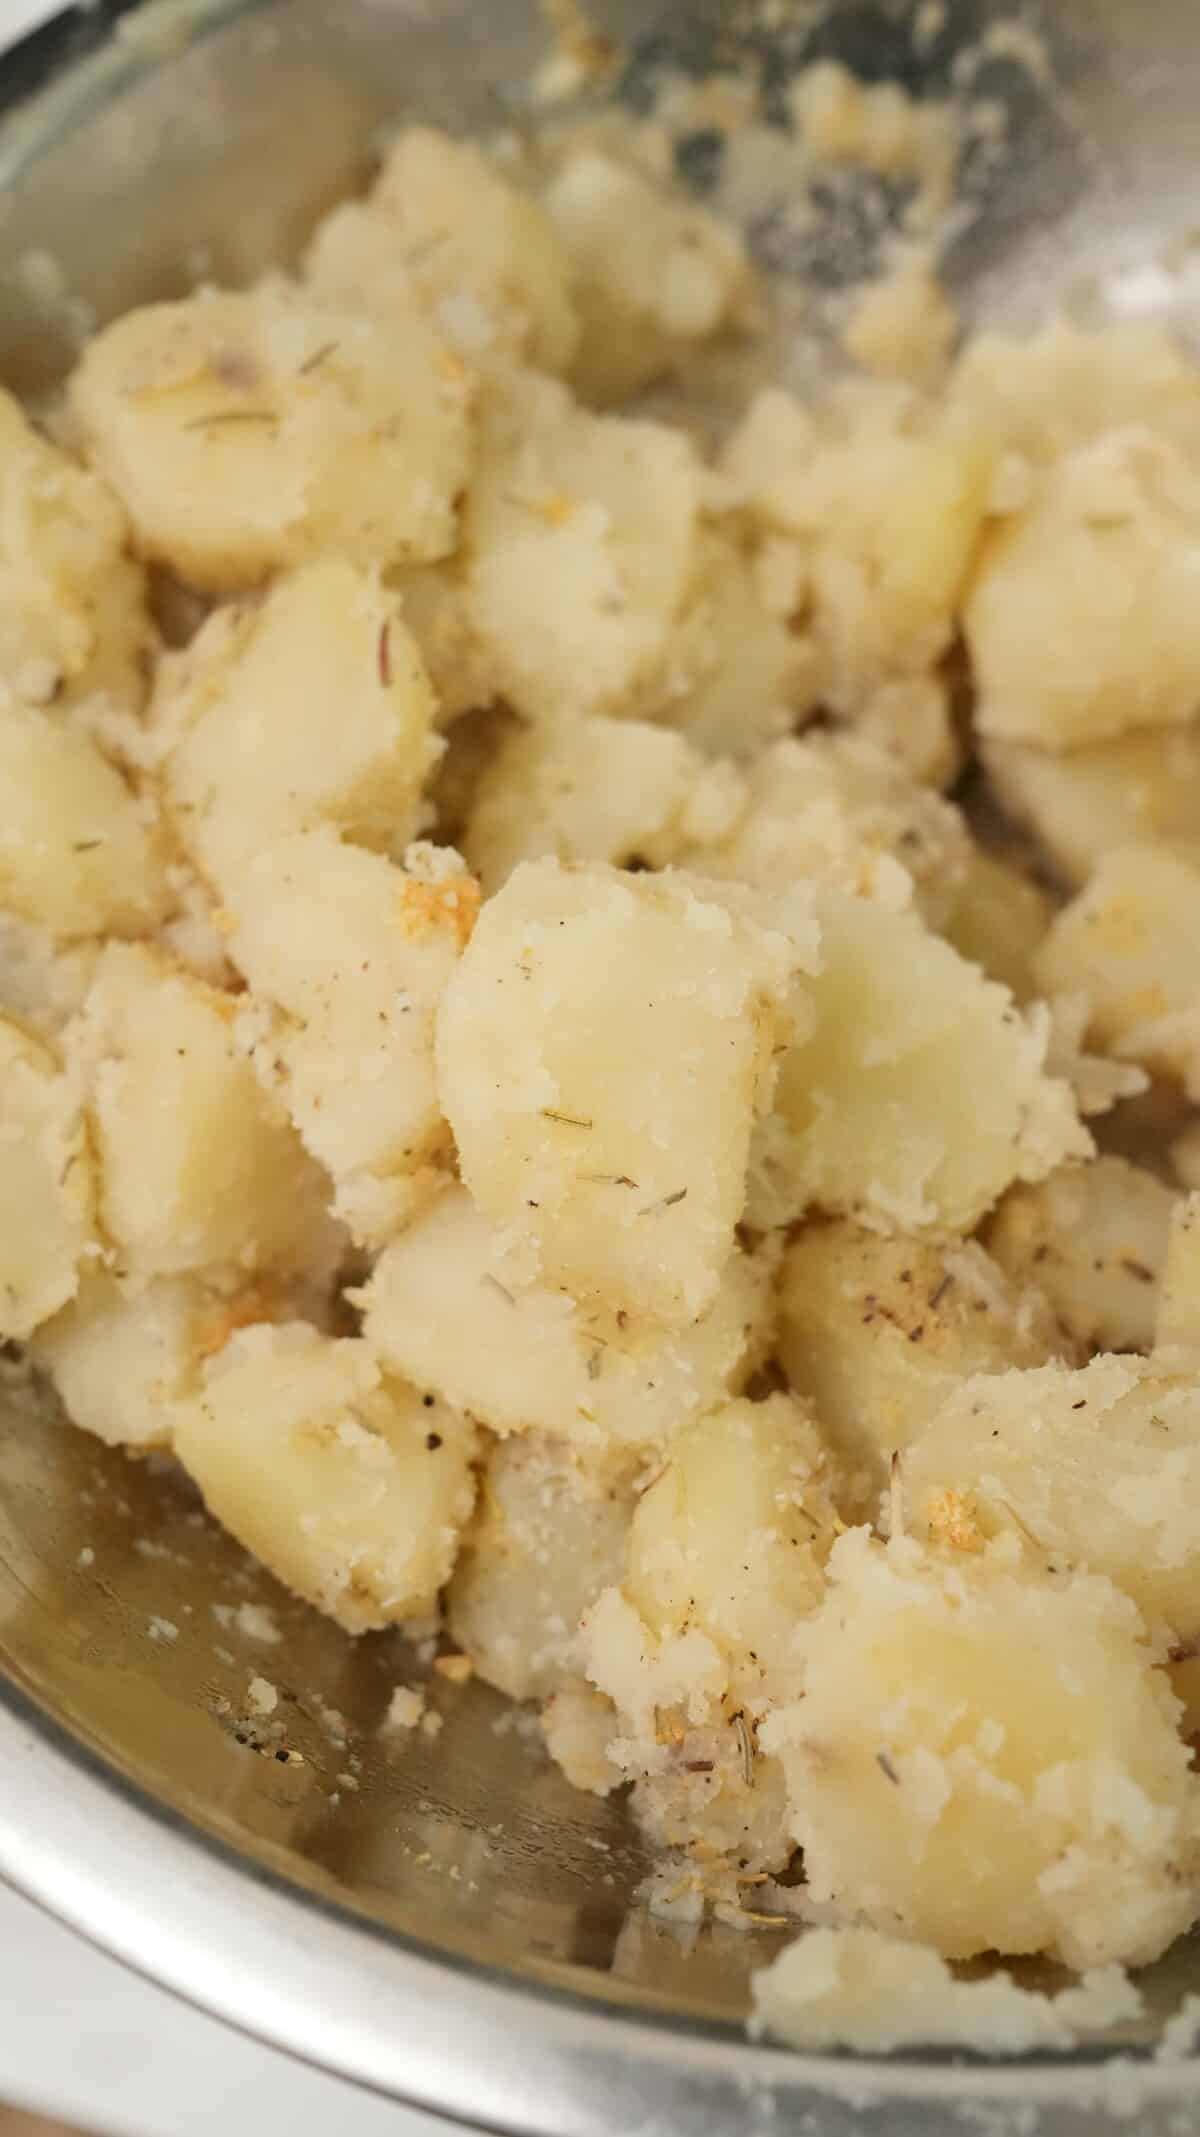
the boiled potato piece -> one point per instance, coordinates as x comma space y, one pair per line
606, 1029
351, 1036
914, 717
921, 1093
1094, 1239
351, 1488
247, 432
537, 1361
1101, 565
549, 1534
580, 531
313, 708
985, 1759
436, 608
79, 854
1130, 942
1141, 788
654, 274
482, 255
1177, 1326
997, 921
195, 1166
731, 1538
46, 1186
43, 982
877, 1332
1042, 394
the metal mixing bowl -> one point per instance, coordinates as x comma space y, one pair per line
453, 1924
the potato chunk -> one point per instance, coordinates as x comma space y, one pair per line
984, 1759
313, 708
537, 1361
196, 1168
550, 1533
602, 1049
654, 274
1082, 620
482, 255
921, 1093
1137, 789
352, 1036
1130, 942
247, 432
348, 1486
77, 852
1094, 1239
46, 1189
72, 610
1042, 394
877, 1332
580, 531
998, 919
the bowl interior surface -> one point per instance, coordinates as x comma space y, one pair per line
141, 148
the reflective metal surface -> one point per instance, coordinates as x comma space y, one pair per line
448, 1920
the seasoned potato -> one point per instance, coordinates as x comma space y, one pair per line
46, 1188
1141, 788
78, 853
1094, 1239
244, 433
1130, 942
580, 532
1071, 592
602, 1030
549, 1534
353, 1036
1177, 1326
436, 607
997, 920
877, 1332
483, 256
351, 1488
247, 768
537, 1361
654, 274
195, 1167
984, 1759
920, 1094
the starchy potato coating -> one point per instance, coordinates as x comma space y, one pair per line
1094, 1239
46, 1186
79, 854
1129, 942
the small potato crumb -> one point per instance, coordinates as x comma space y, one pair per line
262, 1696
405, 1709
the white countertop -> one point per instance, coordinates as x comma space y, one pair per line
83, 2039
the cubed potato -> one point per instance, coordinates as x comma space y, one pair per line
1094, 1239
549, 1534
838, 808
79, 854
72, 609
602, 1049
46, 1186
1131, 942
195, 1165
352, 1035
537, 1361
1137, 789
247, 432
1082, 620
1042, 394
920, 1094
580, 532
731, 1538
482, 255
436, 607
313, 708
877, 1332
998, 919
351, 1488
591, 790
985, 1759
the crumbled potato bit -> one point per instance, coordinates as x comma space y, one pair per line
603, 1028
985, 1759
536, 1360
580, 531
195, 1167
654, 274
244, 433
577, 1727
997, 921
321, 1465
483, 256
244, 770
1094, 1239
1041, 395
435, 605
1129, 941
902, 325
79, 855
877, 1332
46, 1186
1136, 789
